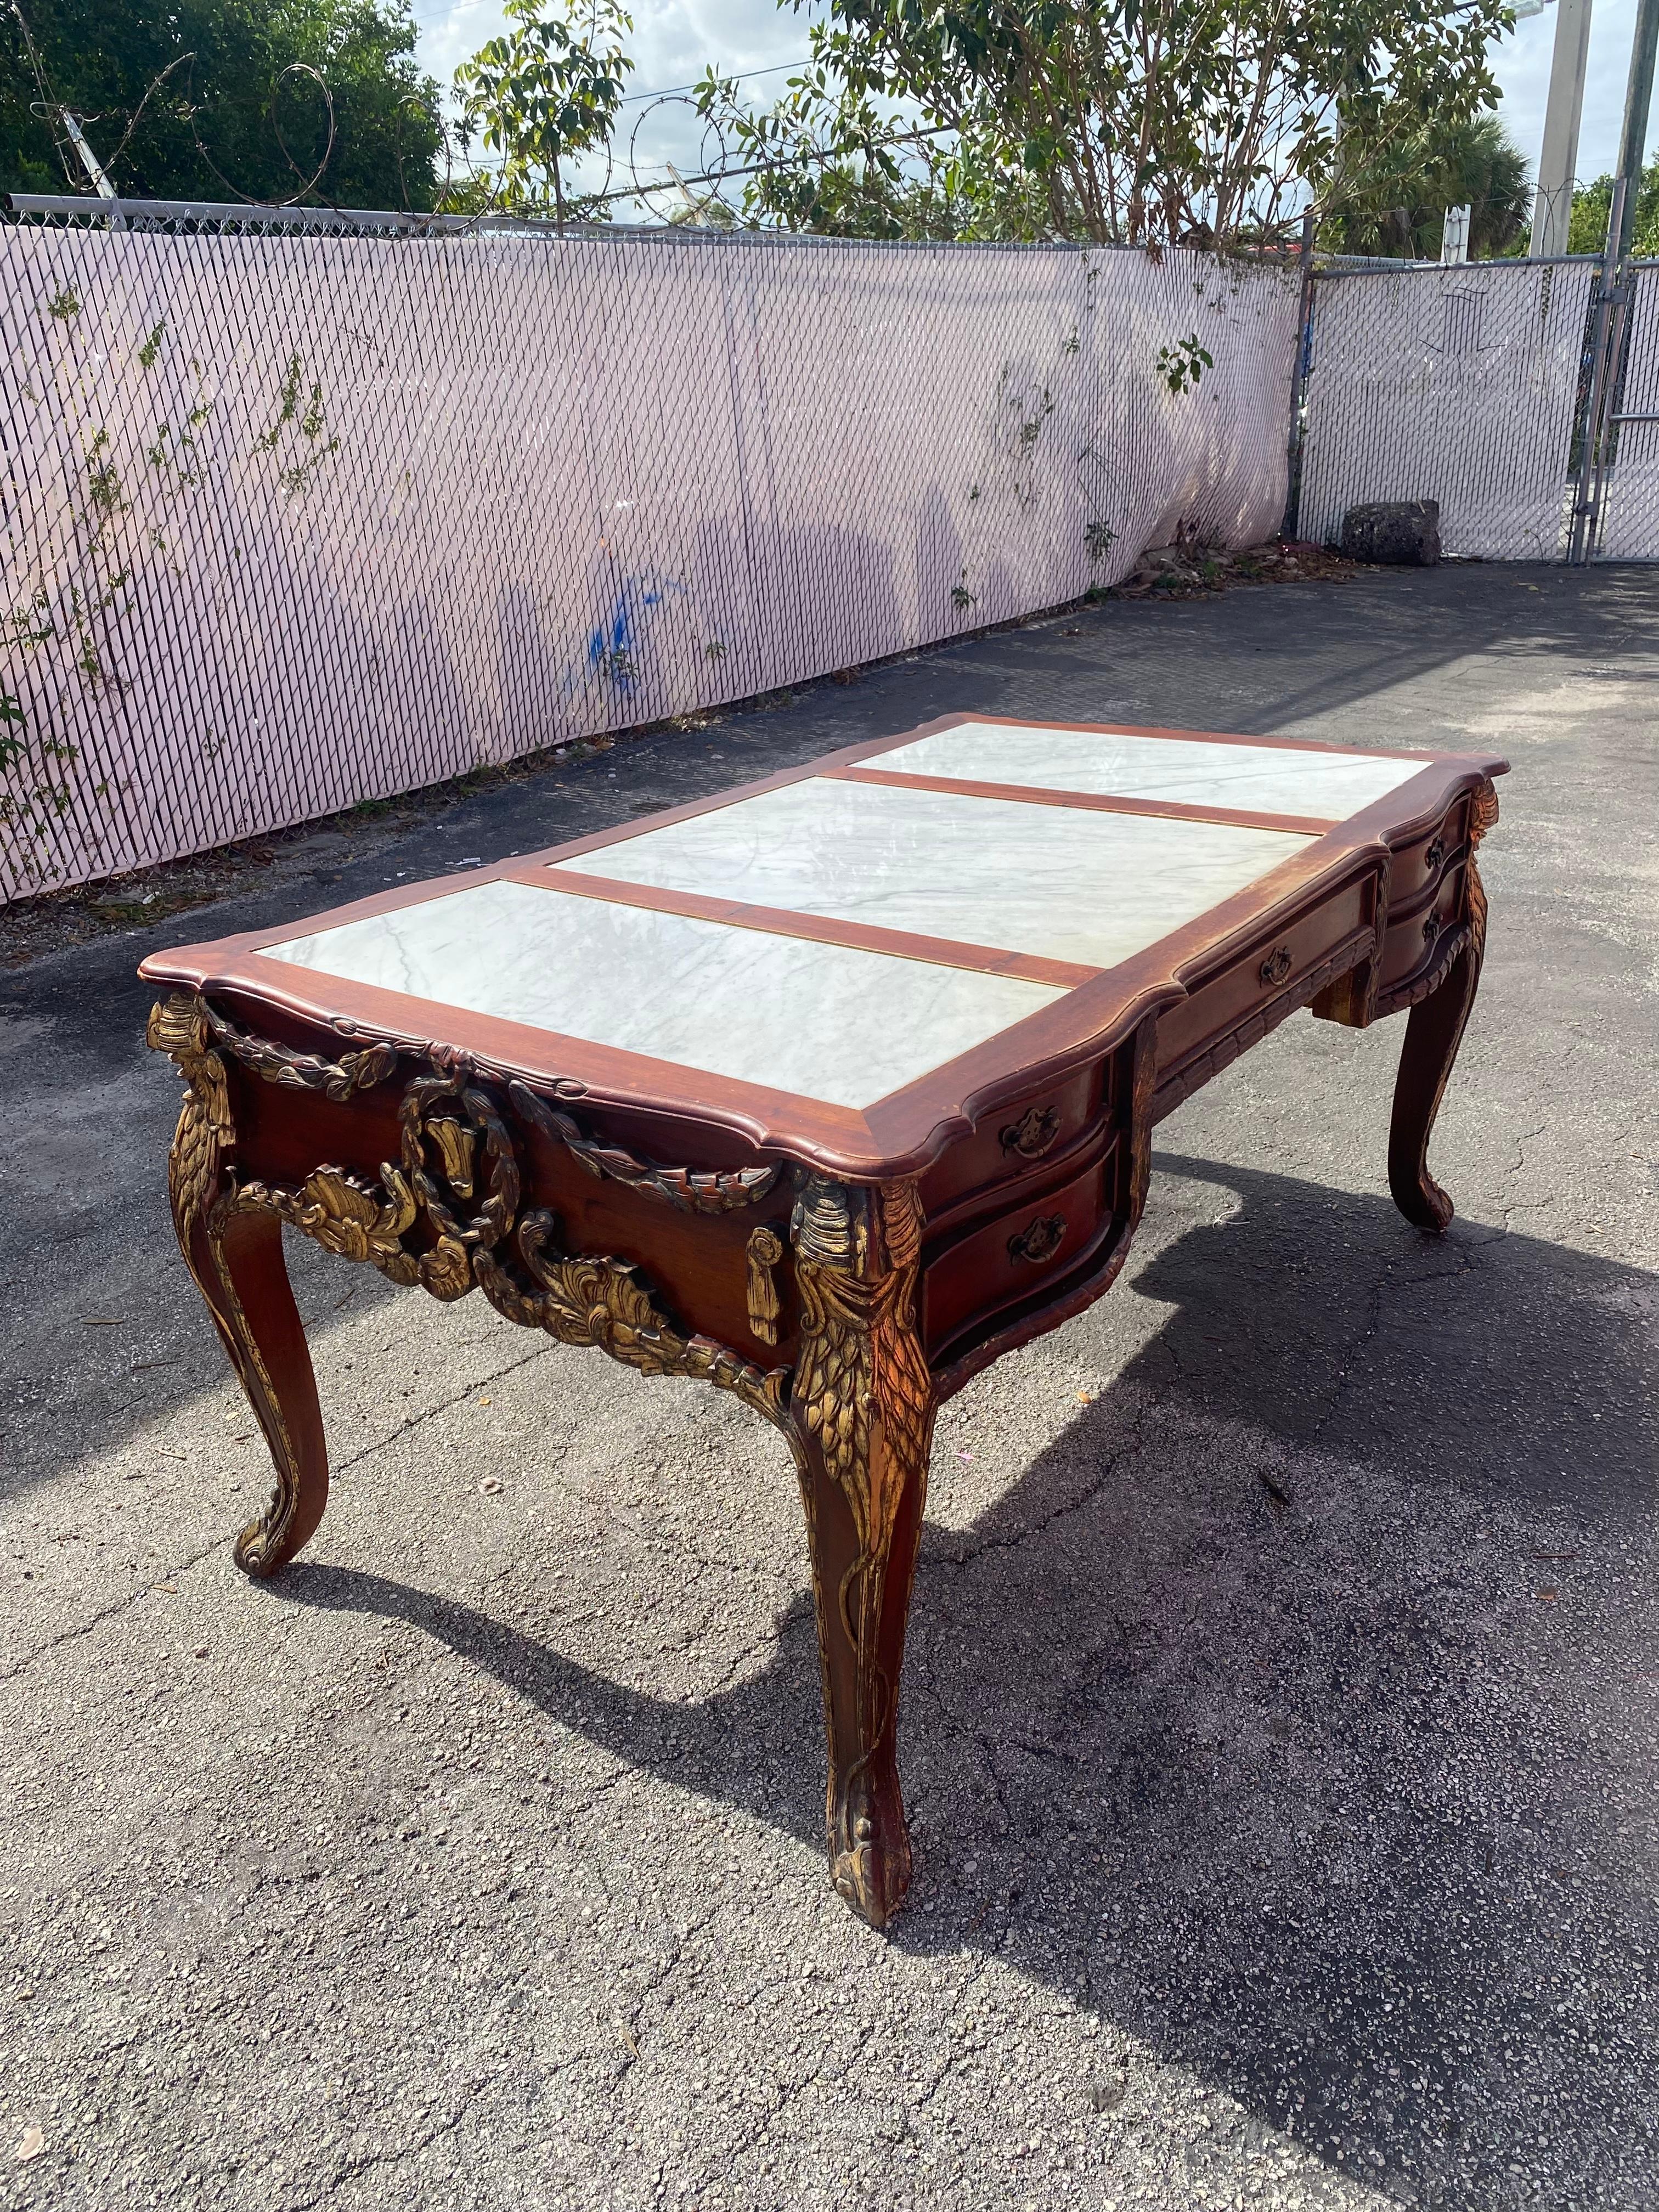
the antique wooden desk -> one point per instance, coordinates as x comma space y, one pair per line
828, 1090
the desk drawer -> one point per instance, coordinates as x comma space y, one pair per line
1218, 1005
1420, 864
1412, 943
1017, 1252
1017, 1138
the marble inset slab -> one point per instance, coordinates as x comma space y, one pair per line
1070, 885
822, 1021
1259, 779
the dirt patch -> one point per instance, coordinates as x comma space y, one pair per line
1187, 570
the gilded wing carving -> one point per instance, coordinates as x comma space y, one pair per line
201, 1187
204, 1135
862, 1400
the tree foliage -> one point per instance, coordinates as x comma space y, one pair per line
216, 100
543, 94
1127, 121
1397, 207
1592, 209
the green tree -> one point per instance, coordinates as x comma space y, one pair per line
541, 95
1592, 207
1392, 201
1129, 121
197, 100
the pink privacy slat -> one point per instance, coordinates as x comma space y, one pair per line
294, 522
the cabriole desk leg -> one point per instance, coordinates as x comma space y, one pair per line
236, 1260
861, 1406
1434, 1030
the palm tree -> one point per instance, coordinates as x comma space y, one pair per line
1396, 197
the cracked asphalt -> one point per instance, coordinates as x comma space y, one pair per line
1279, 1717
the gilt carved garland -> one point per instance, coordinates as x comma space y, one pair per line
446, 1214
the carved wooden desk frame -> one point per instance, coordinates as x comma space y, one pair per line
840, 1273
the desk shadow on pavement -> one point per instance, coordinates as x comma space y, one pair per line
1290, 1709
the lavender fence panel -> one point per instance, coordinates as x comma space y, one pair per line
291, 522
1458, 384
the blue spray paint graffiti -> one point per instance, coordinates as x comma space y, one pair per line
614, 648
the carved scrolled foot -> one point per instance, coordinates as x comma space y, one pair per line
252, 1303
1434, 1030
870, 1842
235, 1258
861, 1409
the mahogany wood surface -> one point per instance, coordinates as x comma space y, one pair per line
820, 929
1029, 795
841, 1271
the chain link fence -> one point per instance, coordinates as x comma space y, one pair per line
1629, 522
302, 515
1459, 383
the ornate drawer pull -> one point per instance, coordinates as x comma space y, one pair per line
1040, 1240
1032, 1135
1433, 855
1276, 967
1431, 929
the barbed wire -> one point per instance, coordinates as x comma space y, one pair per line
715, 190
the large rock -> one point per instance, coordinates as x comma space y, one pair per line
1404, 531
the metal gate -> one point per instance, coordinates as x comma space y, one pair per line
1524, 396
1459, 383
1625, 523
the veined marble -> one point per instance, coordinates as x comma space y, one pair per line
1065, 882
1262, 778
822, 1021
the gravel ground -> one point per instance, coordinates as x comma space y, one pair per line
1280, 1714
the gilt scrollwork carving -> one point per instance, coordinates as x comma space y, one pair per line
605, 1303
446, 1214
336, 1212
689, 1190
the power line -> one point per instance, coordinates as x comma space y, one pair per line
739, 77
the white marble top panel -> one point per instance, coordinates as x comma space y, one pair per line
1069, 883
1261, 779
820, 1021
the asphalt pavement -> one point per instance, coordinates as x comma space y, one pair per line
1281, 1717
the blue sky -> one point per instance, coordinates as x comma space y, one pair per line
675, 40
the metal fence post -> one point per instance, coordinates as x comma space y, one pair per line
1608, 333
1287, 528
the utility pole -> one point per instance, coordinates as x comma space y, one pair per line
89, 161
1637, 98
1557, 163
